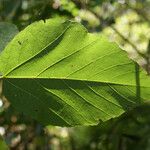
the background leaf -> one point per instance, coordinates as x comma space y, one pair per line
3, 145
7, 32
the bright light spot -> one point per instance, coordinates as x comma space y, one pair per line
64, 132
121, 1
77, 19
24, 5
1, 103
2, 131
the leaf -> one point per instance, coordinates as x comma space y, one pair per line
3, 145
59, 74
7, 32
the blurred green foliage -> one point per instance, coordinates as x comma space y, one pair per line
3, 145
126, 22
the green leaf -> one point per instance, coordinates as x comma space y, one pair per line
59, 74
3, 145
7, 32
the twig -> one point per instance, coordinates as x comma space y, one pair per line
139, 12
122, 36
137, 77
128, 41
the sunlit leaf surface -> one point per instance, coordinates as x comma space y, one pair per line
60, 74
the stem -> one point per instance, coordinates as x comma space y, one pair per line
137, 77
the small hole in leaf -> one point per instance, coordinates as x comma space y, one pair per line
19, 42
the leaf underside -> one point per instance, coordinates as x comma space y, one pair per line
60, 74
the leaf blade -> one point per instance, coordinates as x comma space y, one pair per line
70, 78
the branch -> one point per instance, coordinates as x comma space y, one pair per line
122, 36
128, 41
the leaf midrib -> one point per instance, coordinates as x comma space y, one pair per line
73, 79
